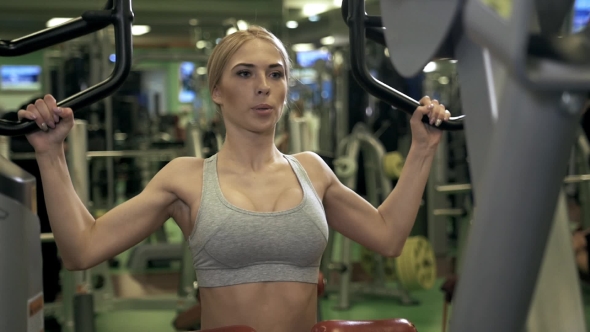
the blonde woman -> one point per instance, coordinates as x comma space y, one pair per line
256, 219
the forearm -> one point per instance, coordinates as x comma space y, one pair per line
69, 219
401, 207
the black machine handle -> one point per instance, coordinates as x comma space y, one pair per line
362, 26
116, 12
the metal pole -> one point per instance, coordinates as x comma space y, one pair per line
108, 107
78, 315
5, 147
525, 168
437, 223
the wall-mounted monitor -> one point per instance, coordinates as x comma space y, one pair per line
308, 58
187, 92
20, 78
581, 15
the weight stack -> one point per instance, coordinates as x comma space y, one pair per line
21, 276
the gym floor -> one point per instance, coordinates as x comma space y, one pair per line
427, 316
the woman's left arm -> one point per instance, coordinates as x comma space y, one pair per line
386, 228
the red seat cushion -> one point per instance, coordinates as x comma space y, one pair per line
384, 325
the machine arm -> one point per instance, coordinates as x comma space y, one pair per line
362, 26
118, 13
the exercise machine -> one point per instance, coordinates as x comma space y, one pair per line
521, 80
21, 290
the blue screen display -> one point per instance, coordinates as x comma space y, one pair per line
187, 92
581, 15
308, 58
21, 77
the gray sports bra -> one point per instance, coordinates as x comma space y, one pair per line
233, 246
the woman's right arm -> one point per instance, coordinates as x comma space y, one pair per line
84, 242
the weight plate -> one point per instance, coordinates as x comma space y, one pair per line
393, 163
416, 266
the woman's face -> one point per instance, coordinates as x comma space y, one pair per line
252, 90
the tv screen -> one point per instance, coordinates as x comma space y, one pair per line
581, 15
308, 58
20, 77
187, 92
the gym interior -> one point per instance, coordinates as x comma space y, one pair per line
358, 68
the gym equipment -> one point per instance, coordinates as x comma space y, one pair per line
361, 25
378, 187
116, 12
393, 163
416, 266
515, 84
510, 76
21, 293
384, 325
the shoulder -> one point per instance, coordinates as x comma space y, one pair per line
184, 164
315, 166
181, 170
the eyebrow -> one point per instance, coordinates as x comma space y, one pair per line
249, 65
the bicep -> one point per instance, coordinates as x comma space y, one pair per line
131, 222
352, 216
348, 213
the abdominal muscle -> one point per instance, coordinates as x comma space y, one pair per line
266, 307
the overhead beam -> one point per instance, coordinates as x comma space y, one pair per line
200, 7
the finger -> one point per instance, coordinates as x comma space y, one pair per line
425, 101
45, 112
440, 114
51, 104
38, 117
23, 114
447, 115
65, 113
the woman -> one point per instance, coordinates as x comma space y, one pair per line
256, 220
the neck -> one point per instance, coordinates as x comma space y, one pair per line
251, 151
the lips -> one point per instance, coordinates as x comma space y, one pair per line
262, 107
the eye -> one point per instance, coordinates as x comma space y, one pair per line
243, 73
277, 74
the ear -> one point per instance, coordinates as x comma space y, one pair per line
216, 95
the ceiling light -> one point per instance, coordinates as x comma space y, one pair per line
193, 22
138, 30
231, 30
201, 71
57, 21
314, 18
201, 44
338, 3
430, 67
242, 25
328, 40
303, 47
292, 24
313, 9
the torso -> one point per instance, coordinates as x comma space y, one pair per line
269, 306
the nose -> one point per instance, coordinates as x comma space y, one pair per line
263, 88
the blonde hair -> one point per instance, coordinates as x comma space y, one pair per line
229, 45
